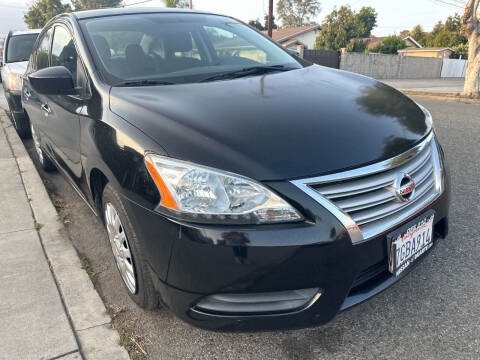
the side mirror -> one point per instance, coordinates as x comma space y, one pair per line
55, 80
293, 52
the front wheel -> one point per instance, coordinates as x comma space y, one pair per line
127, 250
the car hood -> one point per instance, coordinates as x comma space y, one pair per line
17, 67
294, 124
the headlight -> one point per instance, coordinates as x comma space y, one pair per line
201, 194
15, 82
428, 116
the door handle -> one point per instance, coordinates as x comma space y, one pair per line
27, 93
46, 108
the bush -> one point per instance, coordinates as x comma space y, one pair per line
390, 45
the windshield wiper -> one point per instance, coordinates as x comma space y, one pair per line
144, 83
254, 70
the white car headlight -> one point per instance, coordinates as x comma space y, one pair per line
428, 116
15, 82
201, 194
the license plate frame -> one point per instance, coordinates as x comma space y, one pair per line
416, 234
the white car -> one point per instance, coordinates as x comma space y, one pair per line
17, 50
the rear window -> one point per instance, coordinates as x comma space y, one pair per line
20, 47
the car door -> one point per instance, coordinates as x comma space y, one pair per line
32, 101
62, 112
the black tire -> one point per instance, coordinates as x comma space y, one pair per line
22, 125
145, 295
42, 157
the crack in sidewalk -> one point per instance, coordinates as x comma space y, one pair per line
63, 355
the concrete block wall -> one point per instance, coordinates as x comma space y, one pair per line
380, 66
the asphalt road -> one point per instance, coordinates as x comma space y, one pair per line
434, 313
443, 85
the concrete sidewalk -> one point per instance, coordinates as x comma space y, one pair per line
49, 308
433, 86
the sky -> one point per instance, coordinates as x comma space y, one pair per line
393, 16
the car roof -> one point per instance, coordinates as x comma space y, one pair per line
25, 32
134, 10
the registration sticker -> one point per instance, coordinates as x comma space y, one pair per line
410, 243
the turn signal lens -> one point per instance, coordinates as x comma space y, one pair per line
15, 82
428, 116
167, 199
198, 193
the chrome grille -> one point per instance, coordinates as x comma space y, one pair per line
365, 198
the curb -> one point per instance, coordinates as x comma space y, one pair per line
90, 322
450, 95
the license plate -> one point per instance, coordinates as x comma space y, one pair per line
410, 242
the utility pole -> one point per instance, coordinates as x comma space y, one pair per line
190, 4
270, 17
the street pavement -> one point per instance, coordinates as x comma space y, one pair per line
433, 313
441, 86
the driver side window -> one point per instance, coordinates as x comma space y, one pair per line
64, 52
42, 56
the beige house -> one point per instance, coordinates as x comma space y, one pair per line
411, 42
297, 37
430, 52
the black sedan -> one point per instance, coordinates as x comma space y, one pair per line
240, 186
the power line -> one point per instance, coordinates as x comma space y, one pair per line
444, 2
137, 3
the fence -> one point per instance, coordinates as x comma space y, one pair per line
323, 57
380, 66
454, 68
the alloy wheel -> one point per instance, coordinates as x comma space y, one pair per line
120, 247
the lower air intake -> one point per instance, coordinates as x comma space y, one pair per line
258, 303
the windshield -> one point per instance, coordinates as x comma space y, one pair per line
178, 48
20, 47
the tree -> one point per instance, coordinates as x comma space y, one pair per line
447, 35
357, 46
471, 28
390, 45
41, 11
176, 3
344, 24
366, 20
94, 4
419, 35
447, 39
256, 24
453, 23
275, 26
297, 12
461, 51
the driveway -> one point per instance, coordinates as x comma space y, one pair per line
434, 313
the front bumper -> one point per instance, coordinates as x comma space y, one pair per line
14, 100
190, 262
